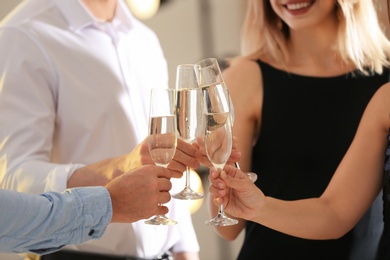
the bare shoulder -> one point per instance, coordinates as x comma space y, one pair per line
385, 90
382, 96
244, 81
243, 74
379, 106
242, 69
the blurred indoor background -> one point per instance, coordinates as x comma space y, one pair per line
190, 30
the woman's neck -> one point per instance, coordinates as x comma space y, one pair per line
102, 9
314, 51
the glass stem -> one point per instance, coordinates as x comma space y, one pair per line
220, 207
221, 210
188, 177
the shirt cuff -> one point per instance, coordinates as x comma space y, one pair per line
95, 210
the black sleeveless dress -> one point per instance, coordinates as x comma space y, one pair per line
307, 126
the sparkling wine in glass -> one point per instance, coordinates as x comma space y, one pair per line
189, 117
162, 138
208, 74
218, 138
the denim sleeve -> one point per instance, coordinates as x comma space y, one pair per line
44, 223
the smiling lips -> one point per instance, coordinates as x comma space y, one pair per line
298, 6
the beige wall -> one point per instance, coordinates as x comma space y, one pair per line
178, 24
183, 36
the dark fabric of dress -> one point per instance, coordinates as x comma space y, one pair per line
307, 126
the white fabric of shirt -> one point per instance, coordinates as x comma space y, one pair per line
73, 91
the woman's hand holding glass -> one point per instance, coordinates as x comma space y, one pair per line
218, 138
236, 191
217, 106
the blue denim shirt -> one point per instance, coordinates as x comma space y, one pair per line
44, 223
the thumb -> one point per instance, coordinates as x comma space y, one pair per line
231, 182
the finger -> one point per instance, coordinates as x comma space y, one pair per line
176, 163
196, 145
186, 159
218, 201
200, 145
217, 182
235, 182
233, 171
217, 191
176, 169
202, 155
235, 156
161, 210
177, 174
214, 173
167, 173
163, 197
203, 159
187, 148
200, 141
164, 184
162, 172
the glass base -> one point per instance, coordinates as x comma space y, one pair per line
188, 194
252, 176
221, 220
161, 220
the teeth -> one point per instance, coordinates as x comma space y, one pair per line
297, 6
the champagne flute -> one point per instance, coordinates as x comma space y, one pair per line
189, 117
251, 175
218, 138
208, 73
162, 138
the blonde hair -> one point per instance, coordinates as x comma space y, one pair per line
361, 41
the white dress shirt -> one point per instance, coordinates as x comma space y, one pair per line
73, 91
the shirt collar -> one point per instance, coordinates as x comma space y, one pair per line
79, 17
